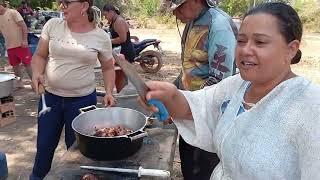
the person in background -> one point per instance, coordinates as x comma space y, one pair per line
26, 12
208, 44
64, 64
119, 30
264, 122
120, 34
7, 4
15, 33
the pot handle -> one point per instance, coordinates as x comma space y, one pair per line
88, 108
140, 134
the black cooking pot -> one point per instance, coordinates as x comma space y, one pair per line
109, 148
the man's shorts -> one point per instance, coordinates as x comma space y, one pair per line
19, 55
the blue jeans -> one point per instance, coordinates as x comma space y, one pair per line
3, 166
50, 125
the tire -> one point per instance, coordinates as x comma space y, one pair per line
151, 61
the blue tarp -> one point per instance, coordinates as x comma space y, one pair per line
33, 42
3, 166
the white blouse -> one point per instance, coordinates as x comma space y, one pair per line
278, 138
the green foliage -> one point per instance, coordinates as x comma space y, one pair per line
34, 3
145, 12
149, 7
240, 7
309, 13
235, 7
167, 19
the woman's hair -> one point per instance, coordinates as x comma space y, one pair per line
91, 14
289, 23
109, 7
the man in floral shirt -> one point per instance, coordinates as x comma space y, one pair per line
208, 43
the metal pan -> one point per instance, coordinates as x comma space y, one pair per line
109, 148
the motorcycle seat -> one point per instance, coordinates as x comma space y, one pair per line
145, 41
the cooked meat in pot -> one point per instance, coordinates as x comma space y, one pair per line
112, 131
89, 177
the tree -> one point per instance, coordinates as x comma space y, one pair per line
34, 3
240, 7
234, 7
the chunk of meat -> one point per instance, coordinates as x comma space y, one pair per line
89, 177
112, 131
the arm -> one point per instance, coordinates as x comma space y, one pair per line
221, 49
195, 113
24, 29
107, 65
39, 59
107, 68
19, 20
38, 63
108, 73
121, 28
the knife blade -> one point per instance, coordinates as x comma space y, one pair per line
132, 75
141, 87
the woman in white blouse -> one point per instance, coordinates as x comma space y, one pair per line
263, 123
64, 63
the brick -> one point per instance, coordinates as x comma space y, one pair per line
7, 120
7, 107
5, 100
7, 117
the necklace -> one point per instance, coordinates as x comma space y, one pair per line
248, 104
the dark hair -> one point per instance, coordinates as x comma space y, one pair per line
90, 10
109, 7
289, 23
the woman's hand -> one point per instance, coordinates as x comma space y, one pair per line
173, 100
158, 91
163, 91
109, 100
36, 80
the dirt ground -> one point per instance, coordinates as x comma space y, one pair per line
18, 140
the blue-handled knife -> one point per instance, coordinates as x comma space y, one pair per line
141, 86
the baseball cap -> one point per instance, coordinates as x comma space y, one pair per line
176, 3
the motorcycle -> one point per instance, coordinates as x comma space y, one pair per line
150, 60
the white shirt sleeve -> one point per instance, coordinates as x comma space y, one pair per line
308, 142
45, 33
205, 107
106, 51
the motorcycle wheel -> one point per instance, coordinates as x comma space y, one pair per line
151, 61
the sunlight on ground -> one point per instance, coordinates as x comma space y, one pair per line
309, 69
